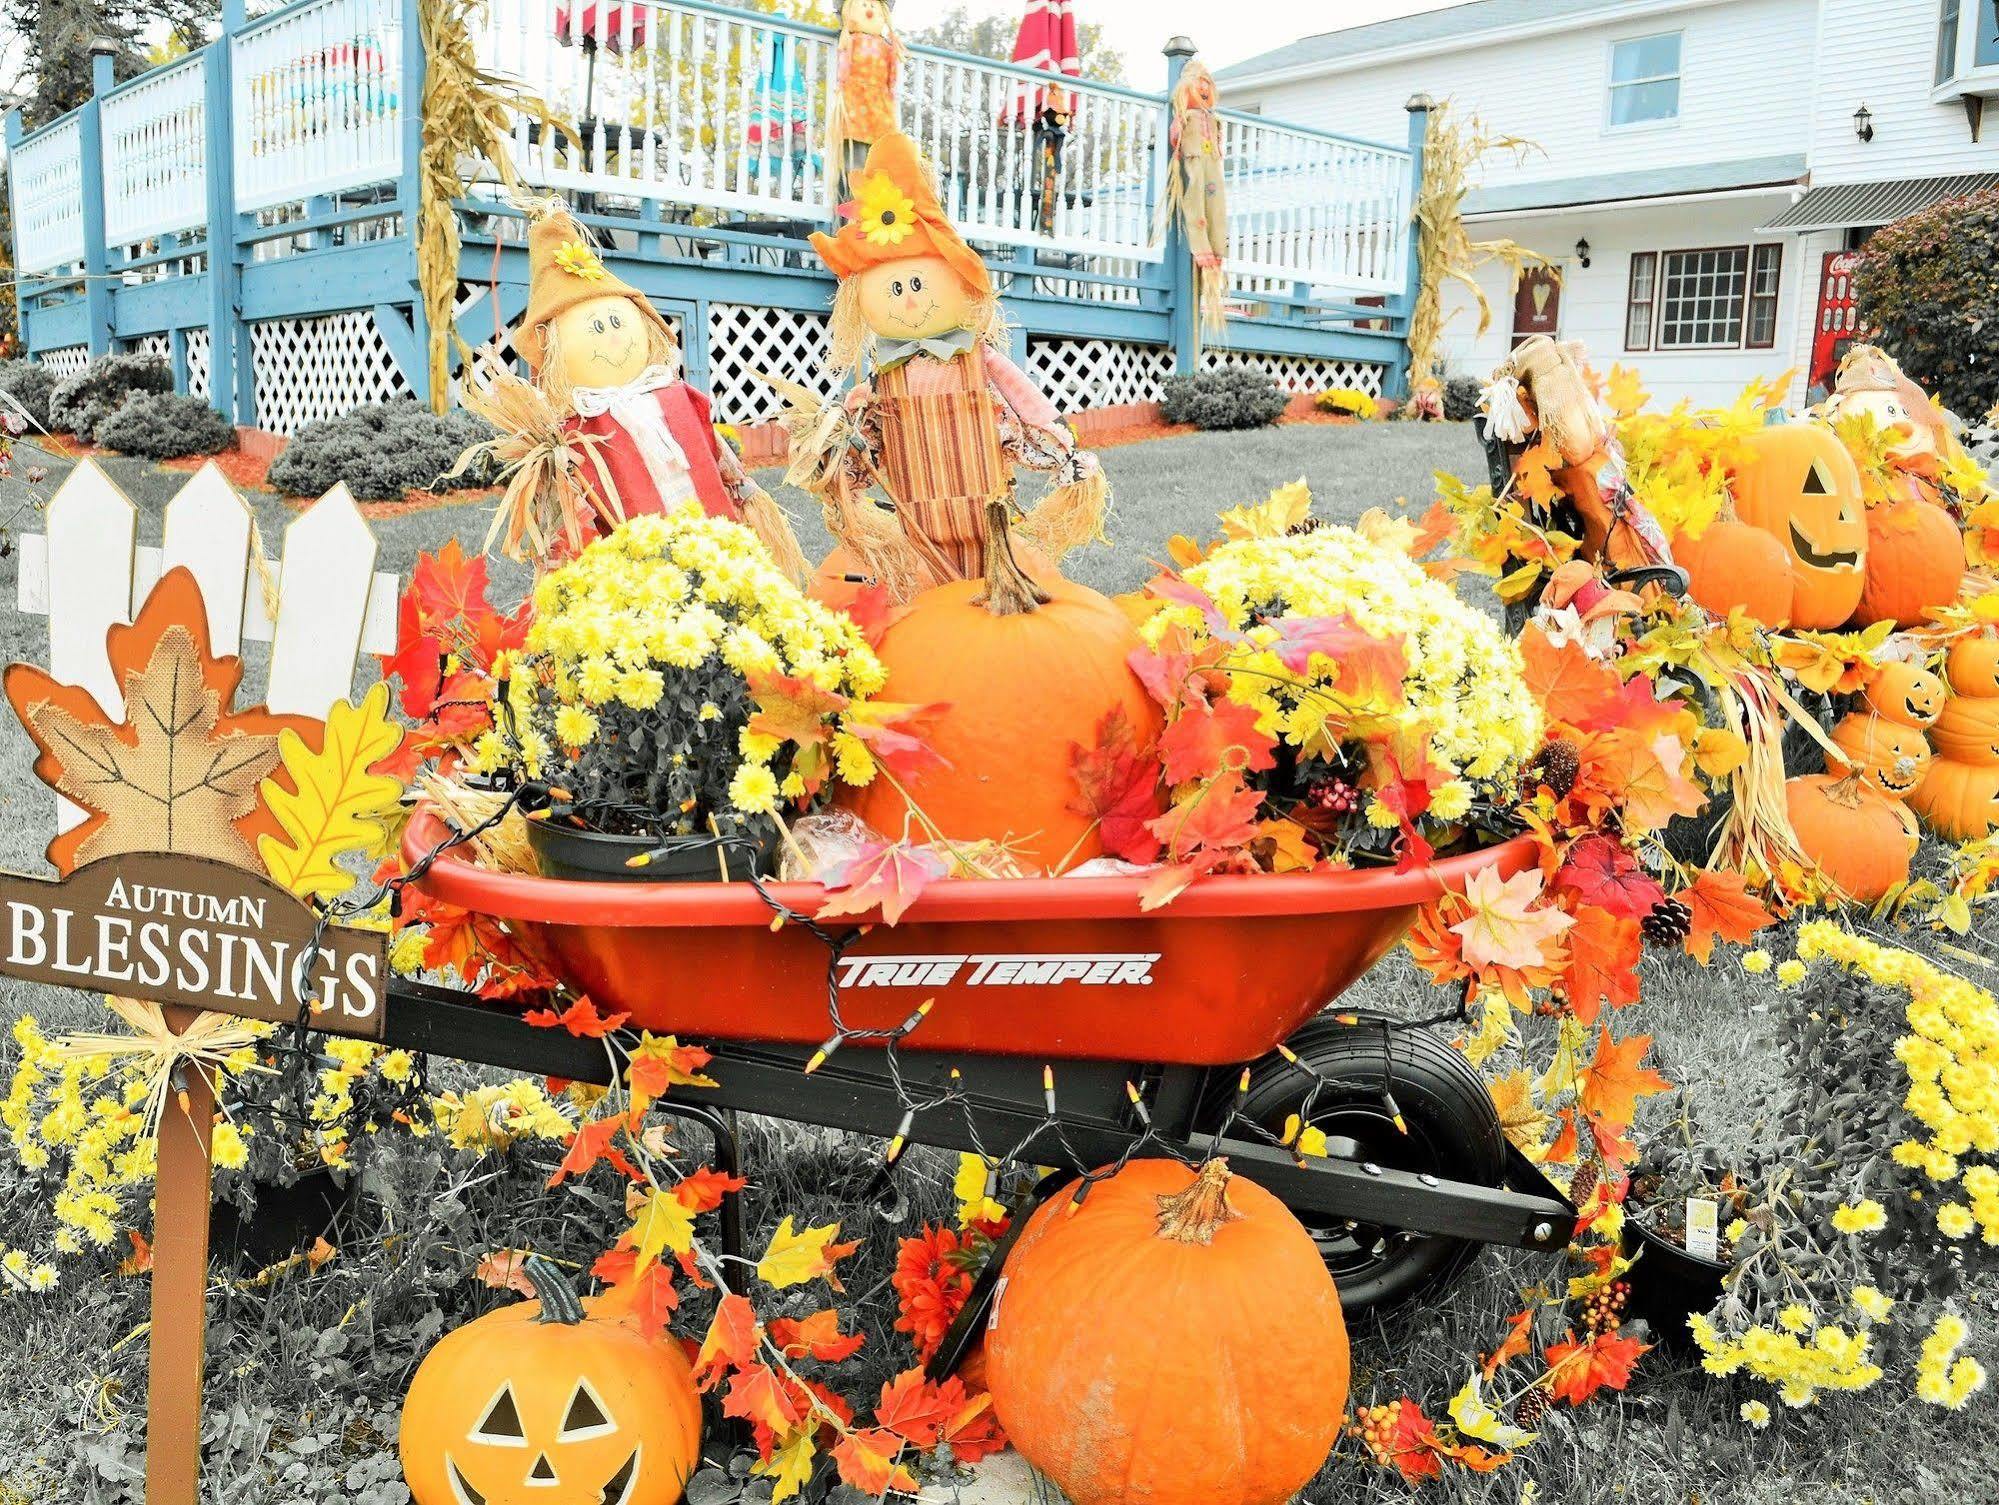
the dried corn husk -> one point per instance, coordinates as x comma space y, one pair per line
1756, 836
505, 847
157, 1052
540, 462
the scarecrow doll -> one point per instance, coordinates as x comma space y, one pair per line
1194, 187
606, 431
941, 416
867, 63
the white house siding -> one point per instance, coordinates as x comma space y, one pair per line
1594, 298
1745, 65
1882, 53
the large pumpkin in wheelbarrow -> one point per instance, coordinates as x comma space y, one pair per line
1175, 1339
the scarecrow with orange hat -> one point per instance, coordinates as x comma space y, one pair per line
607, 430
942, 416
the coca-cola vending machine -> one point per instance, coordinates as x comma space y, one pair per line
1838, 321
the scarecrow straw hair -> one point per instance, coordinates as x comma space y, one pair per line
467, 112
538, 460
1445, 249
157, 1053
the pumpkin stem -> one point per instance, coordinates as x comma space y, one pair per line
1009, 591
1192, 1216
552, 1289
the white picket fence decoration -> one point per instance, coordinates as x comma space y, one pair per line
89, 572
1306, 207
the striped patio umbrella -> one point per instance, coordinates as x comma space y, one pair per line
1047, 41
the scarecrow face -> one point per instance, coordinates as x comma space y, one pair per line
601, 342
914, 298
1888, 411
869, 16
1201, 91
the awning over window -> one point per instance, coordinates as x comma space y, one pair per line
1844, 206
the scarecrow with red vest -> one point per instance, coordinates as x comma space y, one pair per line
941, 416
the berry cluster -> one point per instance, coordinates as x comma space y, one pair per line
1377, 1427
1604, 1311
1334, 796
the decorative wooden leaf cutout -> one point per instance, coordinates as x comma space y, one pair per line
329, 800
181, 772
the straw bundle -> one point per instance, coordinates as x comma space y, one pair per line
157, 1052
539, 461
1756, 835
505, 847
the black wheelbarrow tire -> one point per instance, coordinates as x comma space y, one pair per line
1454, 1132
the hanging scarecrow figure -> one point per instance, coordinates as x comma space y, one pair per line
867, 66
1870, 381
605, 431
943, 416
1195, 190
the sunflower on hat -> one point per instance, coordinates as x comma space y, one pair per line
895, 214
886, 215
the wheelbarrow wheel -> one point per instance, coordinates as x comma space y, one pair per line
1453, 1128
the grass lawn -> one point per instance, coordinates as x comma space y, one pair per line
305, 1371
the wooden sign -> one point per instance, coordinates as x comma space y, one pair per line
190, 930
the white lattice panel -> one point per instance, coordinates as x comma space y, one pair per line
319, 368
1078, 374
67, 361
197, 363
1299, 373
743, 340
156, 345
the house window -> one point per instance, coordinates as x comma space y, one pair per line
1766, 268
1947, 23
1640, 301
1645, 80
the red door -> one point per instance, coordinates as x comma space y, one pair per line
1838, 321
1537, 303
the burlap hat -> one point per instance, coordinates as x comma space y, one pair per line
895, 215
564, 270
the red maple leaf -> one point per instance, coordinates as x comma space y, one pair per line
897, 735
418, 660
449, 585
1204, 740
1119, 784
872, 609
1720, 904
817, 1337
912, 1408
582, 1019
884, 875
1210, 822
1362, 664
1611, 1084
649, 1296
1604, 948
594, 1143
1604, 875
756, 1395
1412, 1444
1580, 1370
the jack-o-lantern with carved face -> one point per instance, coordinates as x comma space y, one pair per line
1801, 487
551, 1402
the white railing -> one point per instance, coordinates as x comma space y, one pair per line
318, 101
46, 177
156, 153
1306, 207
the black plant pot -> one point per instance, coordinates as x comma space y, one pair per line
1668, 1285
565, 851
287, 1219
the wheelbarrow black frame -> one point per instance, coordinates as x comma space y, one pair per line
1004, 1104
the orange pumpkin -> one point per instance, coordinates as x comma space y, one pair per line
1849, 834
1892, 758
1973, 667
549, 1402
1968, 731
1915, 560
831, 587
1801, 487
1906, 693
1960, 801
1175, 1339
1021, 689
1732, 564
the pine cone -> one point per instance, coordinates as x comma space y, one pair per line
1668, 923
1557, 764
1584, 1182
1530, 1408
1306, 525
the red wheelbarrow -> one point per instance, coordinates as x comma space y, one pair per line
1195, 1005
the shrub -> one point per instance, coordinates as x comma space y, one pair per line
29, 383
381, 450
80, 402
1925, 284
1223, 400
165, 426
1461, 395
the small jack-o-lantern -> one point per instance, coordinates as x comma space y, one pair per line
1973, 667
1906, 693
1801, 487
1891, 758
551, 1402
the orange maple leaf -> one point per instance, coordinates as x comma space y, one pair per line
867, 1461
1579, 1370
731, 1341
1720, 904
1570, 685
1612, 1083
1603, 962
817, 1336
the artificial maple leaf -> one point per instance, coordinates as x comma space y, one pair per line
1184, 593
504, 1270
1650, 778
912, 1407
757, 1395
792, 709
448, 585
1274, 517
1579, 1370
661, 1062
1519, 1340
1720, 905
649, 1298
664, 1223
1412, 1444
1624, 393
730, 1343
329, 799
1363, 665
817, 1337
1205, 740
181, 772
1217, 818
1521, 1119
703, 1189
594, 1143
418, 660
1569, 685
896, 735
1604, 948
866, 1460
1611, 1084
582, 1019
872, 610
792, 1257
881, 875
140, 1260
1509, 924
790, 1464
1118, 781
1718, 752
1603, 874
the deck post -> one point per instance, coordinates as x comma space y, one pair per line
410, 94
1183, 303
96, 255
230, 391
23, 313
1396, 384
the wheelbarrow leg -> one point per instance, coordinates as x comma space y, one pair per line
721, 1125
970, 1324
